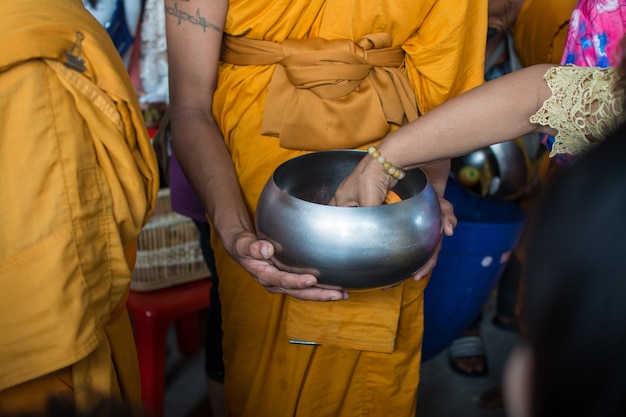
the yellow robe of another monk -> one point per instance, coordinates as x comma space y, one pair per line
79, 180
354, 370
540, 30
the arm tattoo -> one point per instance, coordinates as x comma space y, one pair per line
196, 19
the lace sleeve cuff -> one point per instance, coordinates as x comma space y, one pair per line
585, 106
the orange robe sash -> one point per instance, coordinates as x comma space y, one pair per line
329, 94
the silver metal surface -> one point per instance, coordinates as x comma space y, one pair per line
351, 247
502, 166
512, 168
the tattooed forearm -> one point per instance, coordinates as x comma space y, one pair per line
196, 19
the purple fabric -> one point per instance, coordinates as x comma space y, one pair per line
184, 199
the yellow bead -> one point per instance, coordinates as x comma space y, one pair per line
391, 170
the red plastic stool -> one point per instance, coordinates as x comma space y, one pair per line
152, 313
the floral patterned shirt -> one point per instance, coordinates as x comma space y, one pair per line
595, 31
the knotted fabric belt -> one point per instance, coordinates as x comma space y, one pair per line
329, 94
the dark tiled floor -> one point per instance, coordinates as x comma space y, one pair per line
185, 385
442, 392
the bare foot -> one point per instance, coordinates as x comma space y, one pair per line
467, 355
506, 323
470, 365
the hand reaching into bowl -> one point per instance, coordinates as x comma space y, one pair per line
369, 185
350, 247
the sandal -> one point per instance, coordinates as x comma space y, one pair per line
468, 347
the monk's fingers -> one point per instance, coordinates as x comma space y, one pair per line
312, 293
302, 286
448, 218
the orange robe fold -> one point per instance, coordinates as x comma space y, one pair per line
80, 180
266, 375
540, 30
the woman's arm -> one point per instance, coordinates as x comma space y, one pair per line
194, 36
494, 112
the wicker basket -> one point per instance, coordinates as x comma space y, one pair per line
169, 250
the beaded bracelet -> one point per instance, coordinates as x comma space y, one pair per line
391, 170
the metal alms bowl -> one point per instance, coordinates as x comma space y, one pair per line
502, 167
351, 247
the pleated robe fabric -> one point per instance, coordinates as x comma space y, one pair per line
79, 180
266, 375
540, 30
